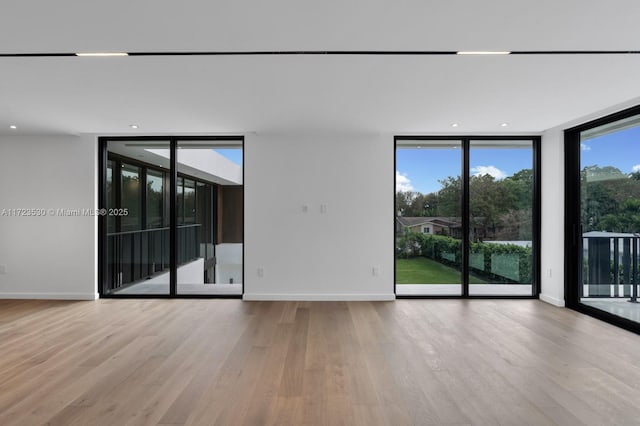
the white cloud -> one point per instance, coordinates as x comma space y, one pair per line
585, 147
403, 183
636, 168
488, 170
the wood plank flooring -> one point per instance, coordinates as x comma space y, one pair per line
228, 362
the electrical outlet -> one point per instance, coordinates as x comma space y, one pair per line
549, 273
3, 269
305, 208
260, 272
375, 271
323, 208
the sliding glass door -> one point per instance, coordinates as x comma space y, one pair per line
209, 218
501, 226
137, 237
603, 218
173, 222
429, 217
466, 216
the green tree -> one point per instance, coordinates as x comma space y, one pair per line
450, 197
518, 190
499, 208
403, 202
488, 200
603, 191
626, 219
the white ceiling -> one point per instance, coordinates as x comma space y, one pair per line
232, 94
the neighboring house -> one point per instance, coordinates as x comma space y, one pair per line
429, 225
449, 226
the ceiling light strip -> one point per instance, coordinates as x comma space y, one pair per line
481, 52
101, 54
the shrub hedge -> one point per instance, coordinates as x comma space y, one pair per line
448, 251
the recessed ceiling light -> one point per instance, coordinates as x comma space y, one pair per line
504, 124
102, 54
482, 52
13, 127
454, 124
133, 126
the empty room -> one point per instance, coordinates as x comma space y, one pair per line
320, 213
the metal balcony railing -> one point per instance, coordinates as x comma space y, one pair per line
610, 265
133, 256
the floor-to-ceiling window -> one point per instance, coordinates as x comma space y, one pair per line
466, 216
603, 217
173, 216
501, 217
429, 217
135, 243
212, 213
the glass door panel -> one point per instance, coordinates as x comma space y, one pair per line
501, 226
210, 217
428, 221
610, 218
137, 234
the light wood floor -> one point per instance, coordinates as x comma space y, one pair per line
192, 362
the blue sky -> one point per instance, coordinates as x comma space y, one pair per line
420, 169
620, 149
233, 154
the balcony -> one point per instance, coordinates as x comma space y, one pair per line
610, 273
139, 263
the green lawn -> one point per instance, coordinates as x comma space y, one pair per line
420, 270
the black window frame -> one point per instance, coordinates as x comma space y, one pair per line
536, 211
572, 209
103, 157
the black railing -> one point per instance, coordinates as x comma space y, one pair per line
610, 266
134, 256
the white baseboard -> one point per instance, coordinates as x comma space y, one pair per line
552, 300
50, 296
320, 297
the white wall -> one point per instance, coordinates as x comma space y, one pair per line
229, 263
316, 255
51, 256
552, 220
